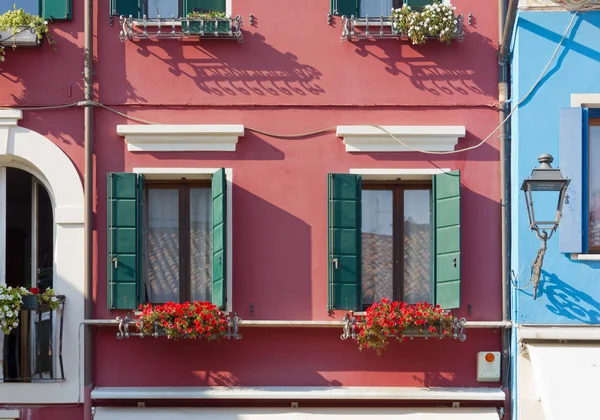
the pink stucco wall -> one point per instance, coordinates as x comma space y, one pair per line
291, 75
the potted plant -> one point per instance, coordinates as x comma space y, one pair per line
12, 302
183, 320
18, 28
435, 20
389, 319
208, 22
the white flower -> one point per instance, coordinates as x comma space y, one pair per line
9, 314
6, 307
53, 298
15, 324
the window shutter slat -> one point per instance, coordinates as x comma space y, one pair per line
345, 7
345, 241
571, 139
126, 8
446, 208
204, 6
219, 239
56, 9
123, 240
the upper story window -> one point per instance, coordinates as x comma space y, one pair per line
579, 231
165, 8
167, 240
48, 9
396, 243
400, 241
373, 8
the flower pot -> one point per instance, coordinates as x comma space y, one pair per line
25, 37
30, 302
209, 26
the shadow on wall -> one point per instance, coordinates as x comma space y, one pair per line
566, 301
434, 67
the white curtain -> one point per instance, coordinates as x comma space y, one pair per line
417, 246
375, 8
162, 254
594, 179
200, 244
163, 8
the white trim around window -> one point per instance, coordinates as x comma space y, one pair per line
402, 174
203, 173
30, 151
10, 415
586, 100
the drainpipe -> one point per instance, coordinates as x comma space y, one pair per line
88, 133
505, 30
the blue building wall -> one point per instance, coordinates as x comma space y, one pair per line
569, 291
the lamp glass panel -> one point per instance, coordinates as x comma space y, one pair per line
544, 207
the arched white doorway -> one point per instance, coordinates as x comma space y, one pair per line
29, 157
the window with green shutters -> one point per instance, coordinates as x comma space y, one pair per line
166, 240
47, 9
372, 8
400, 241
164, 8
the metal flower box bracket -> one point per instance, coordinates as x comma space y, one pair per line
351, 330
24, 36
181, 28
355, 29
125, 323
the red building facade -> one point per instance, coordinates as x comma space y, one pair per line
278, 112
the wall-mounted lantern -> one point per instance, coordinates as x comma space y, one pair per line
546, 187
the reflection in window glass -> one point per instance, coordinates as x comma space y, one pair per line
163, 245
163, 8
29, 6
417, 246
594, 186
377, 245
201, 244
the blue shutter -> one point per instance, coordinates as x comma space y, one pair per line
345, 7
126, 8
571, 135
56, 9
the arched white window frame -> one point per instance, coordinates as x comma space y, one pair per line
32, 152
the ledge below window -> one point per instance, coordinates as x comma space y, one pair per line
585, 257
370, 138
181, 138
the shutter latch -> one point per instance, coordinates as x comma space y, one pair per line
114, 261
335, 263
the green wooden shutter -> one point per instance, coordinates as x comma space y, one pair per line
219, 239
446, 211
123, 240
55, 9
204, 6
345, 7
418, 4
127, 8
345, 239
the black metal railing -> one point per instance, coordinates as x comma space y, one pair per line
33, 351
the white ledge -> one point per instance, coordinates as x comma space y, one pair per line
299, 393
370, 138
10, 414
181, 138
563, 332
10, 117
585, 257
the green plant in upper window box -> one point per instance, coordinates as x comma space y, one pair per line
11, 303
17, 21
208, 22
433, 21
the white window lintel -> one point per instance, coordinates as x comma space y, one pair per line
181, 137
588, 100
402, 174
372, 138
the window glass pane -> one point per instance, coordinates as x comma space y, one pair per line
594, 182
377, 245
375, 8
417, 246
163, 8
201, 244
163, 245
29, 6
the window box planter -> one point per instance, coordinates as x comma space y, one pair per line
25, 36
215, 27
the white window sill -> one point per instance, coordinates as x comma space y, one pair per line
181, 138
370, 138
585, 257
154, 23
9, 414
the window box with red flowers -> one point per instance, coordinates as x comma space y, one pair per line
189, 320
399, 320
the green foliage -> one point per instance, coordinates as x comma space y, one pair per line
435, 20
17, 20
207, 15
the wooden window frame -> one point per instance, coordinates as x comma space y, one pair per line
593, 122
398, 228
183, 187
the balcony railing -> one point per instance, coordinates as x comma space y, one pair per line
33, 351
355, 29
181, 28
